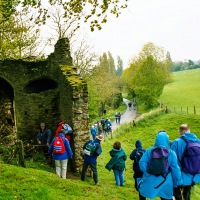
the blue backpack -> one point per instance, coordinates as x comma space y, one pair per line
190, 160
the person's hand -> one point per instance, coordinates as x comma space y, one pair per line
39, 142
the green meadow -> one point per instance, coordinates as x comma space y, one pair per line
183, 92
32, 184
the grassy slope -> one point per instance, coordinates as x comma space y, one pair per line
184, 91
34, 184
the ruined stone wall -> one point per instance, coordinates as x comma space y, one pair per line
46, 91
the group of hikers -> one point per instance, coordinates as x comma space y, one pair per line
167, 169
102, 127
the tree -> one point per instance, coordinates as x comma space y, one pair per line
94, 11
84, 59
18, 38
119, 69
148, 73
149, 81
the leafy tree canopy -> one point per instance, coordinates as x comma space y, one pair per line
94, 11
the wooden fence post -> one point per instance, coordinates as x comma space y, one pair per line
20, 150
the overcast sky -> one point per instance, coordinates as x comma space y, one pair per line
172, 24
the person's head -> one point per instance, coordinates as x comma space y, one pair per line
117, 145
183, 128
138, 144
162, 139
42, 126
99, 137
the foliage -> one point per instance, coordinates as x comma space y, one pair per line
183, 92
18, 38
148, 73
119, 69
104, 84
94, 11
36, 184
184, 65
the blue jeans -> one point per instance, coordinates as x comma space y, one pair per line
119, 177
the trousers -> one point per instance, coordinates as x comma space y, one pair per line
61, 168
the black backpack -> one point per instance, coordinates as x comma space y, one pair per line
138, 155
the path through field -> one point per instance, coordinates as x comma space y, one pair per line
127, 116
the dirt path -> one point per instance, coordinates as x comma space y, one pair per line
127, 116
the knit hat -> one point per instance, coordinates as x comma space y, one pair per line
42, 124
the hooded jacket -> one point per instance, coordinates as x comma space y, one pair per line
178, 146
117, 162
149, 182
67, 153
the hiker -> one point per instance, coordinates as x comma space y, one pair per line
44, 135
116, 117
61, 125
92, 149
108, 126
117, 163
61, 151
190, 173
160, 167
93, 132
129, 105
102, 123
136, 155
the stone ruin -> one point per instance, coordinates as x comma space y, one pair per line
43, 91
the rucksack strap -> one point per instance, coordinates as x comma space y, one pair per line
165, 177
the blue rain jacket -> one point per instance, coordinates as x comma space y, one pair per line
178, 146
148, 182
68, 152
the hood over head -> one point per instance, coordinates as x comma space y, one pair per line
162, 139
138, 144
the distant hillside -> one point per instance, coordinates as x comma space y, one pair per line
184, 91
32, 184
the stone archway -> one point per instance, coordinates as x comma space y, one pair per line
7, 115
40, 85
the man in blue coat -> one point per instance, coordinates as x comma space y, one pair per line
151, 185
91, 160
178, 146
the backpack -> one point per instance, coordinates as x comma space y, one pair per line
138, 155
67, 129
190, 160
90, 149
58, 146
158, 164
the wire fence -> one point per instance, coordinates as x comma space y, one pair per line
182, 109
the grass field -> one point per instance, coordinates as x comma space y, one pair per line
33, 184
183, 92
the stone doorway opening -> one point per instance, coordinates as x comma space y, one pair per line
7, 113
